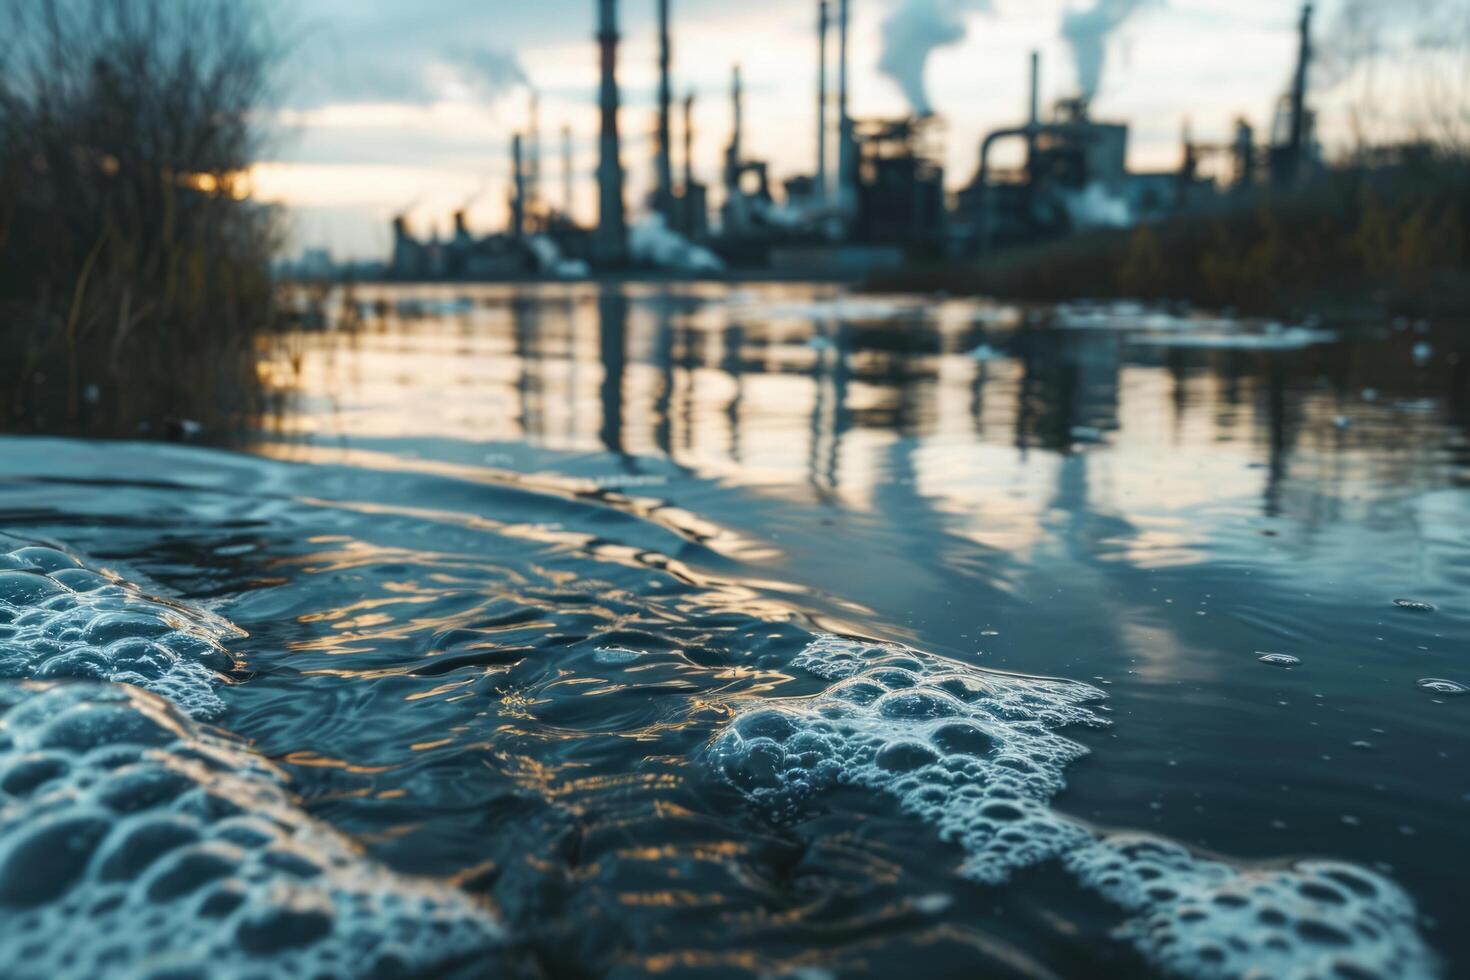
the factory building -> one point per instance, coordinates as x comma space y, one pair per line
884, 202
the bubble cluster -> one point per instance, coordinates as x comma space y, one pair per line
133, 841
976, 754
1207, 919
60, 620
979, 756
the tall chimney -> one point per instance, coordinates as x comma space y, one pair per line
518, 188
688, 141
612, 233
1296, 149
566, 172
846, 149
735, 155
664, 191
822, 19
533, 160
1035, 88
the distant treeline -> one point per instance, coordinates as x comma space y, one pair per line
134, 279
1361, 240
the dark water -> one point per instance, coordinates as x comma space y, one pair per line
529, 582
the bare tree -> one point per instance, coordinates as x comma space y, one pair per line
1398, 71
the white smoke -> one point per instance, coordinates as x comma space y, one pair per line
550, 261
1087, 31
1096, 207
653, 242
912, 32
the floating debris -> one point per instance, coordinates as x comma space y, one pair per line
1415, 605
1439, 685
610, 656
1278, 659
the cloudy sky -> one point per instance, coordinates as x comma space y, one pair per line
388, 106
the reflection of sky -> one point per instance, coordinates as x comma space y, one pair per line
380, 118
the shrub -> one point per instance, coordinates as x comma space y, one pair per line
134, 273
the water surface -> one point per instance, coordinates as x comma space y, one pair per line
530, 580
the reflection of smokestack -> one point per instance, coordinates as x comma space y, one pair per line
612, 235
518, 185
664, 193
822, 19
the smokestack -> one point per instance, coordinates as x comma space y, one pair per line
518, 184
533, 164
612, 233
737, 152
664, 192
688, 142
1297, 146
846, 151
566, 172
822, 19
1035, 88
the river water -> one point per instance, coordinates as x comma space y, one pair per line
708, 630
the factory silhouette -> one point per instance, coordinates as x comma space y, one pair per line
879, 202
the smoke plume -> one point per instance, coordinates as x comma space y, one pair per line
912, 32
1086, 31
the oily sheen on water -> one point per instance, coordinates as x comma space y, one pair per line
133, 840
980, 756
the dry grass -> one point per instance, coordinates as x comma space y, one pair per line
134, 279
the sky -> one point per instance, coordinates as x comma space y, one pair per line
388, 107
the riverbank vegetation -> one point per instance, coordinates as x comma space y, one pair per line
134, 272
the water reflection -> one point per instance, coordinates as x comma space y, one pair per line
549, 539
787, 388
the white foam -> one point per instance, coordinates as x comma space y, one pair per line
976, 754
133, 842
60, 620
1209, 919
1289, 339
979, 756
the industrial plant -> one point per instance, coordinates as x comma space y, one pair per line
880, 201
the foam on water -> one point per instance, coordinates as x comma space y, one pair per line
60, 620
979, 756
976, 754
132, 841
1210, 919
